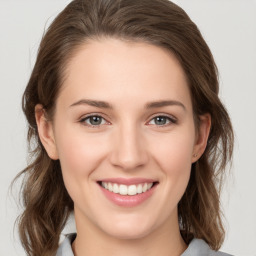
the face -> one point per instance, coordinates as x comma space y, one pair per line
124, 133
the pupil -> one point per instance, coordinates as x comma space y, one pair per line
160, 120
95, 120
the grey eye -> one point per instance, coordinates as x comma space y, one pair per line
94, 120
161, 120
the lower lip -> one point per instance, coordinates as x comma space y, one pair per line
126, 200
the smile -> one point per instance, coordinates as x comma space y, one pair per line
130, 190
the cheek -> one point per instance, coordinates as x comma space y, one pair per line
79, 153
175, 152
174, 157
79, 156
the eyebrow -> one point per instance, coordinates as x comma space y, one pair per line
150, 105
93, 103
164, 103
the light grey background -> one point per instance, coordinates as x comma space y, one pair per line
229, 27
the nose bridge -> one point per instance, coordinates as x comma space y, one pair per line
129, 151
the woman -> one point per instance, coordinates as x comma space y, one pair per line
128, 133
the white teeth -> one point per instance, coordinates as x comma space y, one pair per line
139, 189
110, 187
145, 187
115, 188
105, 185
130, 190
149, 186
123, 189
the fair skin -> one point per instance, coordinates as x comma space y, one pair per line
143, 128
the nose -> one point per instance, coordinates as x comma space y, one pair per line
129, 151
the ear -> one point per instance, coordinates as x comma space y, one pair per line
45, 131
201, 136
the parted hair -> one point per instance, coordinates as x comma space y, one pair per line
47, 204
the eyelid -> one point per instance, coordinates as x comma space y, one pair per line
83, 118
172, 119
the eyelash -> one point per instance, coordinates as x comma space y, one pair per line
170, 120
83, 121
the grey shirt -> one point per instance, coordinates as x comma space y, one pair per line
197, 247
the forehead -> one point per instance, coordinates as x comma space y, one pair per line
110, 69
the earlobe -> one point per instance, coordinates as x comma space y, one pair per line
45, 131
202, 136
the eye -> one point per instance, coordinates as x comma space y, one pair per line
94, 120
162, 120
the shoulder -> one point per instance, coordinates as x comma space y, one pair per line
65, 248
198, 247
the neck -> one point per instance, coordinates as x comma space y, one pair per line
165, 241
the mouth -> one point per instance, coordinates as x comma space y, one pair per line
128, 192
125, 189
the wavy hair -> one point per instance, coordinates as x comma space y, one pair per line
46, 202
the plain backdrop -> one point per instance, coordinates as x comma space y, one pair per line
229, 27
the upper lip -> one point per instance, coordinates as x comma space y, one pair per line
128, 181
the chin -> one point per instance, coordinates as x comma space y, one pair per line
128, 230
129, 235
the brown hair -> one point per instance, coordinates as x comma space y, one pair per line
47, 204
